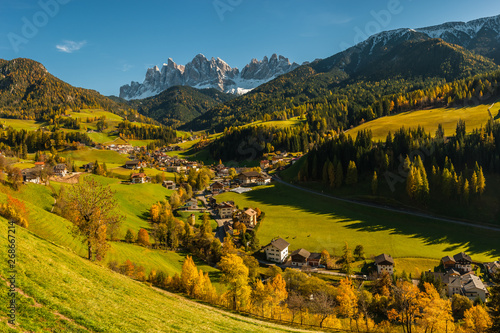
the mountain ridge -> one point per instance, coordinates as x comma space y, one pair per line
388, 56
208, 73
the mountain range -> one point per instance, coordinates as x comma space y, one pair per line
416, 57
204, 73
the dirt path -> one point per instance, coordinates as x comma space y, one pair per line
38, 305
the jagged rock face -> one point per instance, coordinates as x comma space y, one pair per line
267, 69
204, 73
481, 36
464, 33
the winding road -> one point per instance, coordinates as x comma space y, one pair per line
390, 209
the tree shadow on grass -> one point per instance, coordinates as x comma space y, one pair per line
369, 219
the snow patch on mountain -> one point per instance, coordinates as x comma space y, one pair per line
204, 73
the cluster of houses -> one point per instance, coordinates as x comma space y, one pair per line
459, 278
277, 251
228, 210
34, 175
123, 149
281, 158
493, 268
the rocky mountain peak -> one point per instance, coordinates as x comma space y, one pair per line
204, 73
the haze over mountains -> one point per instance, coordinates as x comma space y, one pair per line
204, 73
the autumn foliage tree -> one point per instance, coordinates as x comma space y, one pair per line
91, 209
477, 320
235, 275
143, 237
15, 210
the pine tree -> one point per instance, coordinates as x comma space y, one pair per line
314, 170
129, 237
104, 169
465, 192
352, 174
189, 275
424, 188
331, 174
374, 183
339, 175
481, 182
410, 183
473, 188
325, 177
235, 274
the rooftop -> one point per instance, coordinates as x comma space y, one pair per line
280, 244
383, 258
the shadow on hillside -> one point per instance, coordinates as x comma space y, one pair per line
361, 218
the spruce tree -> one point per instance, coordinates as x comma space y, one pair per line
331, 174
325, 177
481, 182
473, 188
339, 175
352, 174
374, 183
465, 192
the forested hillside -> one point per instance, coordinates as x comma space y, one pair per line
348, 83
179, 104
29, 91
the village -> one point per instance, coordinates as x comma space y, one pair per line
459, 274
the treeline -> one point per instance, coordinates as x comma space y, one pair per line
163, 135
450, 166
294, 297
23, 141
28, 91
346, 107
342, 104
361, 104
240, 143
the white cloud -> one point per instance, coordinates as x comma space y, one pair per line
69, 46
126, 67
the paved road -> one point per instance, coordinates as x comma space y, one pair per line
390, 209
219, 233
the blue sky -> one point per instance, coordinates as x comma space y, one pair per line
104, 44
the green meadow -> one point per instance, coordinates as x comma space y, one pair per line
474, 117
58, 291
19, 124
96, 113
315, 222
133, 201
91, 155
295, 121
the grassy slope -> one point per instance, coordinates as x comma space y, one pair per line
483, 210
277, 123
316, 223
189, 153
474, 117
39, 200
91, 298
18, 124
112, 121
91, 155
